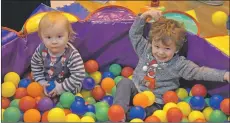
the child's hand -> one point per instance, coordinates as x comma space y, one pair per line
53, 93
226, 76
44, 85
153, 13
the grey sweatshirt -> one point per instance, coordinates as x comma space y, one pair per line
168, 73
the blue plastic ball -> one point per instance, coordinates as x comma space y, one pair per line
108, 74
137, 112
50, 87
79, 99
215, 101
24, 83
88, 83
188, 90
197, 102
78, 107
90, 108
108, 99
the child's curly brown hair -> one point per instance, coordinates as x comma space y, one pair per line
167, 30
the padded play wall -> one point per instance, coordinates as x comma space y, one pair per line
103, 36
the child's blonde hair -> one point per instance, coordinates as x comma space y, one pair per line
53, 17
166, 30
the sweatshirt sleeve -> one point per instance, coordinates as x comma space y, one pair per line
139, 43
191, 71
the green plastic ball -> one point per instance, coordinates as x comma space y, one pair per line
91, 114
90, 100
118, 79
207, 101
187, 99
114, 89
15, 103
102, 114
12, 114
115, 69
66, 99
217, 116
59, 105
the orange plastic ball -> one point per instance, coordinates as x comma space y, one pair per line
170, 96
91, 66
127, 71
5, 102
32, 115
67, 111
152, 119
174, 115
141, 99
107, 84
199, 90
34, 89
27, 103
20, 92
98, 93
44, 117
224, 106
37, 99
200, 120
116, 113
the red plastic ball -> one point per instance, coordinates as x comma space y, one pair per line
91, 66
27, 103
170, 96
5, 102
174, 115
199, 90
224, 106
127, 71
20, 92
116, 113
152, 119
44, 117
98, 93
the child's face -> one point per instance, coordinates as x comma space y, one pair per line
163, 53
55, 37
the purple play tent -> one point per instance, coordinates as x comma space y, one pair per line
103, 36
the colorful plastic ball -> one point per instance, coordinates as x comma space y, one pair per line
91, 114
115, 69
8, 89
90, 108
127, 71
194, 115
188, 90
184, 120
219, 18
15, 103
12, 77
87, 119
45, 117
45, 104
161, 115
114, 89
200, 120
27, 103
207, 101
98, 105
72, 118
174, 115
56, 115
118, 79
20, 92
24, 83
181, 93
78, 107
137, 112
91, 66
199, 90
207, 111
108, 99
96, 76
85, 93
67, 111
136, 120
151, 97
224, 106
169, 105
102, 114
2, 118
11, 114
79, 99
88, 83
34, 89
152, 118
197, 102
58, 105
79, 94
217, 116
108, 75
185, 108
215, 101
5, 102
51, 86
187, 99
90, 100
98, 93
32, 115
66, 99
116, 113
170, 96
141, 99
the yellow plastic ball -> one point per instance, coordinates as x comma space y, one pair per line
219, 18
181, 93
194, 115
184, 107
8, 89
161, 115
85, 93
79, 94
151, 97
72, 118
229, 118
12, 77
207, 111
169, 105
2, 114
87, 119
136, 120
96, 76
190, 93
56, 115
130, 77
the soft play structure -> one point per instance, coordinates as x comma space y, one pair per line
103, 35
